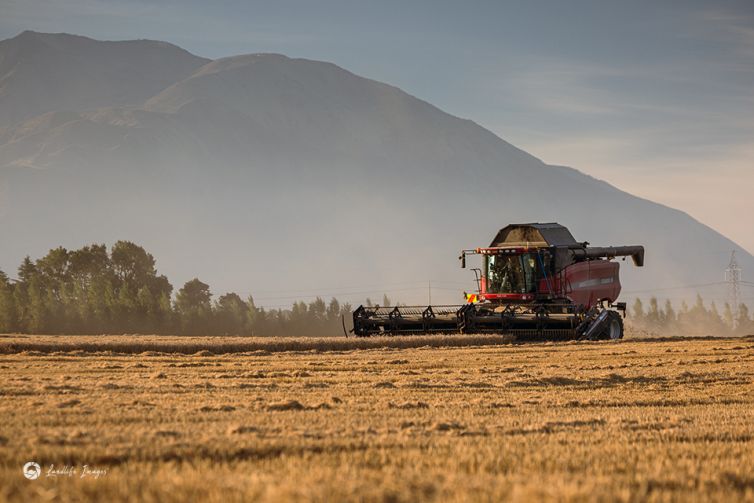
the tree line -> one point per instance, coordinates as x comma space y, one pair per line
690, 320
93, 291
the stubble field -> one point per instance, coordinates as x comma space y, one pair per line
238, 420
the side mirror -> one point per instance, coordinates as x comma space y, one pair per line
463, 260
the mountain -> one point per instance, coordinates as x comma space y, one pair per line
40, 72
270, 175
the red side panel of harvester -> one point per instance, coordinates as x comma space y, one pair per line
587, 283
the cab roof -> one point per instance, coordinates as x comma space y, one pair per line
533, 234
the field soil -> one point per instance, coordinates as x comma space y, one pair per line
219, 419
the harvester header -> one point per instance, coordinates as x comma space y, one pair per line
535, 280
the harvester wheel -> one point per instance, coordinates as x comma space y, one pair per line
614, 330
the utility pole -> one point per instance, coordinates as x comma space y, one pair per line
733, 278
429, 285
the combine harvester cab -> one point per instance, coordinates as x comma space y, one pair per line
535, 281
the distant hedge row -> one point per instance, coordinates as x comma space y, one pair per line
93, 291
697, 319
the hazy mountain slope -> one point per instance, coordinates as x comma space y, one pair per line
42, 72
262, 173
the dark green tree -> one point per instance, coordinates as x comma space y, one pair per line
333, 310
318, 309
715, 322
728, 316
194, 308
669, 317
257, 317
90, 277
654, 316
7, 305
39, 319
232, 315
744, 324
131, 264
386, 301
26, 272
638, 311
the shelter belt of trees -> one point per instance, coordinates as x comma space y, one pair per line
697, 319
91, 291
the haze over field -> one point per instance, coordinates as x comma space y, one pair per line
653, 97
287, 177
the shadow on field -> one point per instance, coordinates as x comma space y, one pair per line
209, 346
32, 345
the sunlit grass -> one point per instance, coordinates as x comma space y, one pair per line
318, 420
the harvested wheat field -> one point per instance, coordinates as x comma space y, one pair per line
221, 419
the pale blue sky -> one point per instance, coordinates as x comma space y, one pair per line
655, 97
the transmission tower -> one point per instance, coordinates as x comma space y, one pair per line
733, 278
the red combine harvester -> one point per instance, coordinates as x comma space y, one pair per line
536, 281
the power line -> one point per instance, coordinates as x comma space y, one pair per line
324, 293
332, 288
332, 294
382, 287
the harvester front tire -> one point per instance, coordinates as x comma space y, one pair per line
614, 330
